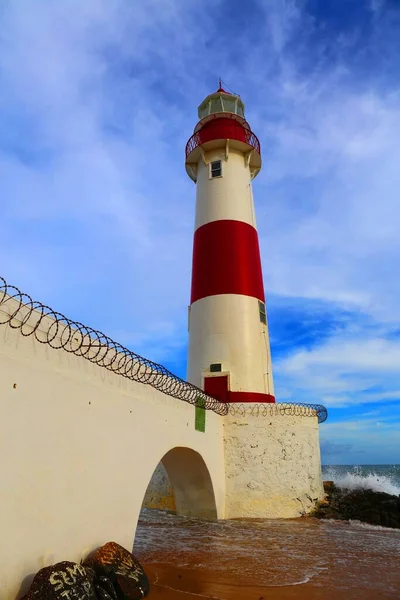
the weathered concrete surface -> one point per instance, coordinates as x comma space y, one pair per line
78, 447
273, 466
160, 493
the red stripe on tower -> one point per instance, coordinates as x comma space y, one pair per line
217, 387
226, 260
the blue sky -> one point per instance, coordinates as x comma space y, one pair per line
98, 99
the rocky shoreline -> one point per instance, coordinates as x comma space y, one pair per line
365, 505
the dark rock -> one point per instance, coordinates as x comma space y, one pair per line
104, 588
370, 515
124, 571
62, 581
376, 508
329, 486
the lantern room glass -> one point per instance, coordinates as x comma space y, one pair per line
218, 103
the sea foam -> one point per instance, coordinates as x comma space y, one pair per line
354, 479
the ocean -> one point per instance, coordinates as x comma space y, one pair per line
294, 559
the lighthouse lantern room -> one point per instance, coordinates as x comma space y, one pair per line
229, 351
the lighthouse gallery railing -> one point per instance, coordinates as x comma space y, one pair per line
222, 128
47, 326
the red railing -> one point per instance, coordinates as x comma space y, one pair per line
222, 129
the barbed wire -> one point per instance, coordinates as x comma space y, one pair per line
299, 409
55, 329
47, 326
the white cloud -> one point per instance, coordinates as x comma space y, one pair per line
348, 355
344, 371
97, 203
332, 186
100, 99
282, 17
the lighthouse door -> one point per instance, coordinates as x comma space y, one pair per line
217, 387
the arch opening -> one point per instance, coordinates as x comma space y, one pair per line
181, 483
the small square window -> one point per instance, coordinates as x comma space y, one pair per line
263, 312
216, 169
215, 368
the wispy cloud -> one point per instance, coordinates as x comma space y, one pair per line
97, 205
347, 369
98, 100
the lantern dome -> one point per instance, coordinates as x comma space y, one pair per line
221, 102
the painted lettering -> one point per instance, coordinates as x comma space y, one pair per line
54, 580
60, 579
75, 570
87, 587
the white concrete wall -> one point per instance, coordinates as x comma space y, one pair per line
78, 447
272, 465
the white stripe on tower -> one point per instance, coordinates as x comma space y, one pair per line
229, 350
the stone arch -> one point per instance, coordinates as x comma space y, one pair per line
193, 492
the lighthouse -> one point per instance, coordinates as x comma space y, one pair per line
270, 463
229, 351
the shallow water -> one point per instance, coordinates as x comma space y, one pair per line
294, 559
240, 559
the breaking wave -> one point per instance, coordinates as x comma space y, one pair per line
363, 478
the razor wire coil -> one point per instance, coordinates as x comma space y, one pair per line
298, 409
50, 327
55, 329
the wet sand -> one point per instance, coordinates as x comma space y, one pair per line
168, 583
288, 560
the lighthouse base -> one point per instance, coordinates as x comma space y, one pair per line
272, 465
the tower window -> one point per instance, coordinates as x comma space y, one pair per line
263, 312
215, 368
216, 169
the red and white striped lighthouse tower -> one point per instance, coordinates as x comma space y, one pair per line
229, 350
